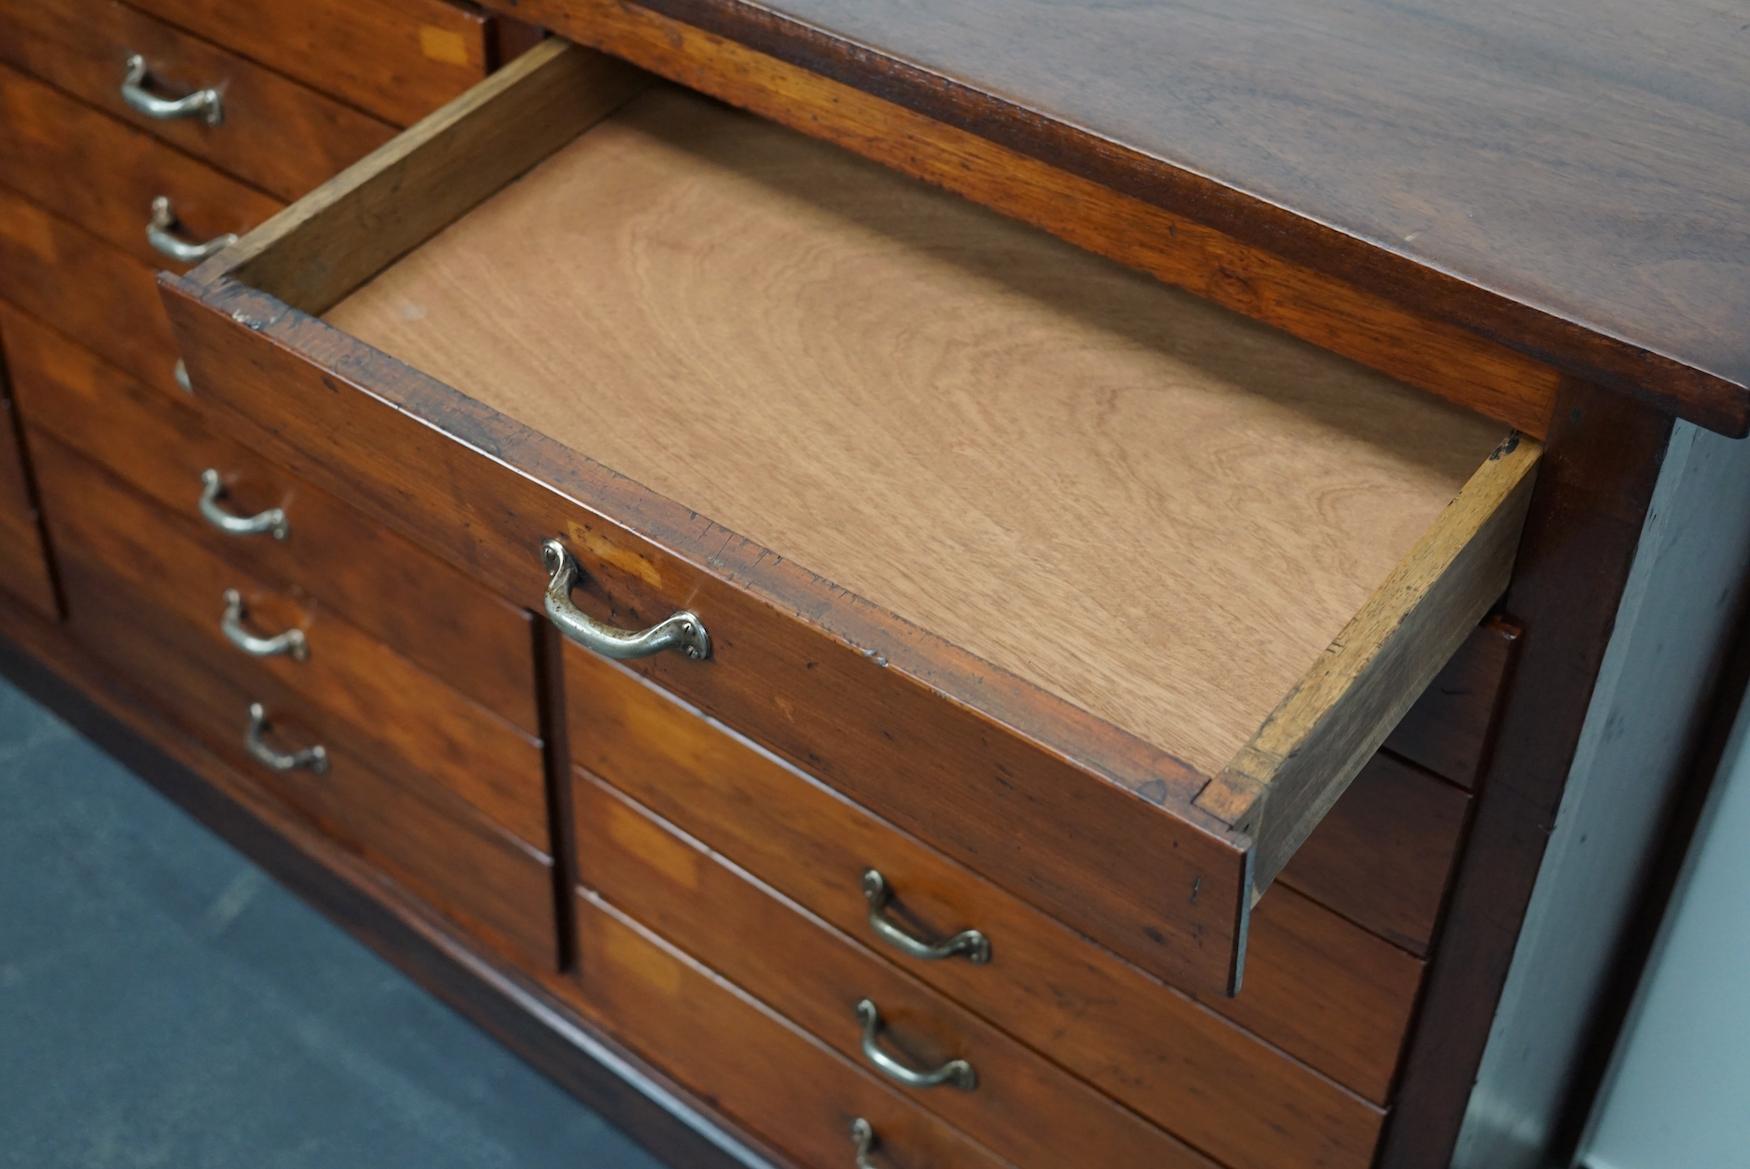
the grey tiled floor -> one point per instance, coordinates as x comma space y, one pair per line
164, 1003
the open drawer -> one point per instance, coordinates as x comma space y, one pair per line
1104, 591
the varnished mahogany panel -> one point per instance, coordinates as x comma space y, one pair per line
412, 722
499, 890
758, 1068
87, 289
1023, 1108
283, 137
1563, 179
395, 59
379, 581
1341, 1003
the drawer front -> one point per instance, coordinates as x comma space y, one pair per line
396, 592
24, 565
281, 136
758, 1068
498, 890
1384, 855
1156, 1050
1019, 1105
86, 288
1448, 729
105, 175
395, 59
406, 720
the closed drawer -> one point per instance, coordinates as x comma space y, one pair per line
1000, 1093
1103, 592
406, 721
496, 889
1323, 990
758, 1068
272, 132
394, 59
24, 565
86, 288
107, 177
1448, 730
376, 580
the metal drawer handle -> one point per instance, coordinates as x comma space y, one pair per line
863, 1136
202, 103
683, 630
970, 943
291, 643
956, 1071
179, 371
161, 234
313, 759
271, 522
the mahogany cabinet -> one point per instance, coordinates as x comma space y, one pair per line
836, 670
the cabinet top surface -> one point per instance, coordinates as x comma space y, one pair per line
1578, 170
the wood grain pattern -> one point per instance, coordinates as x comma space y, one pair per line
278, 135
496, 889
387, 586
1023, 1108
412, 722
1280, 785
1497, 171
87, 289
1448, 728
395, 59
908, 352
1325, 310
982, 782
103, 175
364, 218
758, 1068
1148, 1045
1383, 855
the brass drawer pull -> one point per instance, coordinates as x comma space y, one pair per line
271, 522
202, 103
956, 1071
313, 759
683, 630
971, 944
161, 234
863, 1136
291, 643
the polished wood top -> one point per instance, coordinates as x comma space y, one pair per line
1153, 508
1569, 178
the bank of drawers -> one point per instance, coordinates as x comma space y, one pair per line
397, 700
743, 925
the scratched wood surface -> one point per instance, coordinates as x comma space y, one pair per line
1142, 504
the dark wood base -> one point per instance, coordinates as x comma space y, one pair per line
525, 1017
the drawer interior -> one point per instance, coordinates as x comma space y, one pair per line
1238, 550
